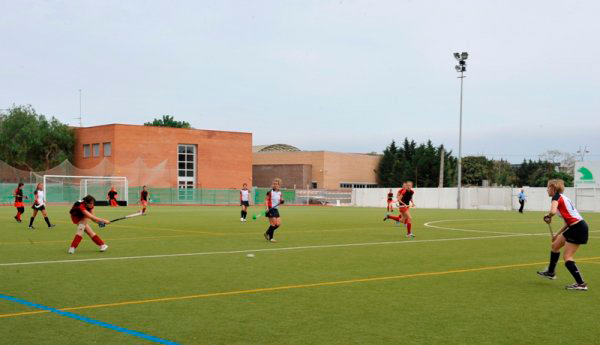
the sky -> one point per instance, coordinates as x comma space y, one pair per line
339, 75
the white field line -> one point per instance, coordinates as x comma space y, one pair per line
257, 250
428, 224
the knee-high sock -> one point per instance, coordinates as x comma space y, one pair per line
396, 218
273, 231
47, 221
97, 240
574, 271
408, 228
553, 261
270, 232
76, 240
31, 221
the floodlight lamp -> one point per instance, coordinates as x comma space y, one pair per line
458, 68
457, 56
464, 55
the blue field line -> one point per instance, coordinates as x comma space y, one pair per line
88, 320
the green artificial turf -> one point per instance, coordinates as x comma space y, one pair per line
337, 275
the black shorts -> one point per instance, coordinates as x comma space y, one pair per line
245, 203
273, 213
41, 208
577, 234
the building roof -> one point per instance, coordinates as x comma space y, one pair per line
275, 148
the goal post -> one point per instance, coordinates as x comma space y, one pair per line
68, 188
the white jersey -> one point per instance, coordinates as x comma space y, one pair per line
274, 198
245, 195
40, 199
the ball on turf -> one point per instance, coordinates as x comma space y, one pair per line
250, 255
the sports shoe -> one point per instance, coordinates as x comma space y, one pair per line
273, 240
31, 227
71, 250
411, 235
103, 248
267, 237
51, 226
241, 219
575, 286
17, 219
547, 275
386, 217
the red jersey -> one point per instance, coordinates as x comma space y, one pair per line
19, 198
566, 209
390, 196
144, 196
76, 212
406, 196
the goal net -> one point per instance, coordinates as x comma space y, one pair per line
68, 189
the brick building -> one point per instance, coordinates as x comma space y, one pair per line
313, 169
175, 157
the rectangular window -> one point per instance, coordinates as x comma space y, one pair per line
186, 171
86, 151
107, 149
357, 185
96, 150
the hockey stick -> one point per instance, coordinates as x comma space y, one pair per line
256, 216
101, 224
551, 232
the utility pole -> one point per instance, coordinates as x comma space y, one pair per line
442, 158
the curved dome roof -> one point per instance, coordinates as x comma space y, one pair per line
276, 148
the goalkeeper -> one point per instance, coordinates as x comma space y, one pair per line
81, 211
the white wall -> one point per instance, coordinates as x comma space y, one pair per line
479, 198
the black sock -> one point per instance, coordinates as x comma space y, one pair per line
273, 231
574, 271
47, 221
553, 261
270, 232
242, 214
31, 221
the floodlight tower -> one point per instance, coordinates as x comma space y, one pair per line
460, 68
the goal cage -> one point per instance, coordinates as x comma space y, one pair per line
68, 189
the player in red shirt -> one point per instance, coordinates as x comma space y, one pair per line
81, 212
19, 205
405, 201
573, 234
144, 199
112, 197
390, 201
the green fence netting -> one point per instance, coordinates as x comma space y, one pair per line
57, 193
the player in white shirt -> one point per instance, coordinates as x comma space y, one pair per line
244, 201
272, 201
39, 204
571, 236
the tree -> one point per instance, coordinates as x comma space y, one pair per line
503, 173
168, 121
29, 141
386, 165
475, 169
418, 163
565, 160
